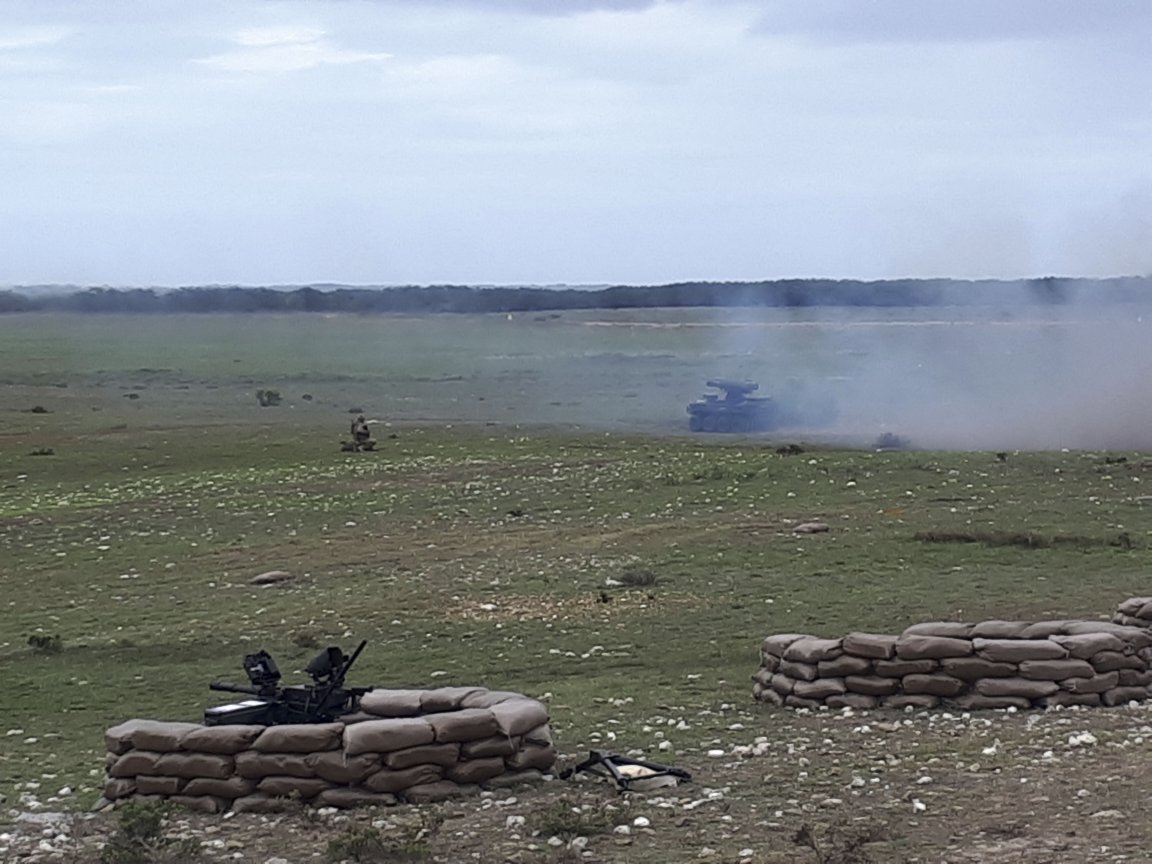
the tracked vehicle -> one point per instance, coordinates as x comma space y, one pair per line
735, 410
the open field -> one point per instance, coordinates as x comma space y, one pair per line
518, 477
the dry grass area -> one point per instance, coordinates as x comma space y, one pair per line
626, 580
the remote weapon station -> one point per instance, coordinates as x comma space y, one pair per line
322, 701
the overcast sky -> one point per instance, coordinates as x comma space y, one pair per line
167, 142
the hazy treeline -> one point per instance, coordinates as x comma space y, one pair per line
467, 298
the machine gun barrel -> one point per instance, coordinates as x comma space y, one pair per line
228, 687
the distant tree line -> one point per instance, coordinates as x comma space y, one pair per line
473, 299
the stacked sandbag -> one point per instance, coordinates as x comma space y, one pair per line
1134, 612
403, 745
990, 664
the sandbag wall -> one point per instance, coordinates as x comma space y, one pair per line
992, 664
403, 745
1134, 612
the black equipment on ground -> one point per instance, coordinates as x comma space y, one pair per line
628, 774
322, 701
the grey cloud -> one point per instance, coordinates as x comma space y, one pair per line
887, 21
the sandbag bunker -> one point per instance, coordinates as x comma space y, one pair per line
991, 664
414, 746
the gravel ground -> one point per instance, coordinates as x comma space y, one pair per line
1021, 787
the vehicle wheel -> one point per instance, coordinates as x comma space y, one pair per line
694, 424
725, 424
708, 424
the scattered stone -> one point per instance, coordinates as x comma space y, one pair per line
810, 528
272, 577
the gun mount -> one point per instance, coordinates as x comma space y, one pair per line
735, 411
322, 701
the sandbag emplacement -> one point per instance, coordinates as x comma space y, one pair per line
990, 664
410, 746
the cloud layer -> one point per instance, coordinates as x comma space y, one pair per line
515, 141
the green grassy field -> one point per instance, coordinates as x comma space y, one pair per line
468, 551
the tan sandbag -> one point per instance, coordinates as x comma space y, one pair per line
763, 677
794, 701
852, 700
919, 701
475, 770
257, 766
799, 671
779, 643
225, 740
118, 739
109, 761
1133, 605
498, 745
936, 684
771, 697
1096, 684
1135, 677
200, 803
842, 666
1064, 698
299, 738
1019, 650
532, 756
873, 646
514, 778
769, 662
517, 716
427, 754
387, 780
1129, 620
446, 698
336, 766
813, 649
149, 785
996, 629
872, 685
189, 765
346, 799
1144, 613
946, 629
1121, 696
1056, 670
392, 703
467, 724
135, 762
441, 790
1137, 637
260, 803
782, 684
922, 647
1044, 629
1110, 661
161, 737
488, 698
233, 787
357, 717
819, 689
384, 736
900, 668
1085, 645
977, 702
1024, 687
293, 787
973, 668
540, 735
119, 787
